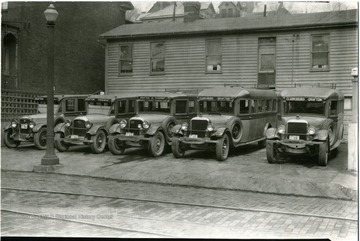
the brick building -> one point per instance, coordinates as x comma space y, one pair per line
79, 56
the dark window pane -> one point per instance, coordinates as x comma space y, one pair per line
213, 63
131, 106
230, 12
244, 107
81, 105
126, 67
267, 41
157, 65
70, 105
333, 107
180, 106
213, 47
320, 60
320, 43
157, 50
125, 52
121, 106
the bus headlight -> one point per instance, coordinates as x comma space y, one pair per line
123, 124
88, 125
31, 125
281, 129
184, 126
210, 127
146, 125
68, 123
13, 124
311, 130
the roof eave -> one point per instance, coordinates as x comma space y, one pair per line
226, 31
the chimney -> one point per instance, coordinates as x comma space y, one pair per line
191, 11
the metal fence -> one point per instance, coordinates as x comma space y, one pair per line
16, 103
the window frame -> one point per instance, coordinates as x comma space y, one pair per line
207, 55
151, 58
125, 59
312, 52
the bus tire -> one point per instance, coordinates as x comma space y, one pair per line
222, 147
176, 149
272, 153
8, 141
114, 146
40, 139
156, 145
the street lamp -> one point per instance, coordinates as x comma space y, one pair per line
50, 157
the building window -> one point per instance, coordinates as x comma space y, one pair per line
267, 62
126, 59
213, 56
230, 13
320, 52
4, 6
157, 58
223, 13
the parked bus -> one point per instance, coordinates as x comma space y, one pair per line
228, 116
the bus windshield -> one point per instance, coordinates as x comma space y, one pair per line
304, 107
213, 107
162, 106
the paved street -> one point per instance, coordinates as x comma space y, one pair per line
134, 195
128, 209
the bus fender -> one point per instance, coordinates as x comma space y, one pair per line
176, 130
219, 132
267, 126
321, 135
60, 128
8, 126
96, 128
115, 129
271, 134
38, 127
152, 130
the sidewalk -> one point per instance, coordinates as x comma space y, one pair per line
246, 169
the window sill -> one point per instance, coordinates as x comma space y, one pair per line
319, 70
163, 73
213, 72
129, 74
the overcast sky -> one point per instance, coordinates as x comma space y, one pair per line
311, 6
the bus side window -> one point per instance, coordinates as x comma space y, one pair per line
131, 107
269, 105
333, 107
275, 103
252, 106
191, 106
244, 107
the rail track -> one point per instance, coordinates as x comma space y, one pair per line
180, 203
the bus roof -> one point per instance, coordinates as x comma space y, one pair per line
237, 92
315, 92
101, 98
164, 95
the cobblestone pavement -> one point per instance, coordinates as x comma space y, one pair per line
214, 213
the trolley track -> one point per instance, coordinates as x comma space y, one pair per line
188, 204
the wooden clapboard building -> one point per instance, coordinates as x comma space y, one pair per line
268, 52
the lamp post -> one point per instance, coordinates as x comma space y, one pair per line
50, 157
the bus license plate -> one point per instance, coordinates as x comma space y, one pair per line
129, 134
193, 136
74, 137
294, 138
24, 126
